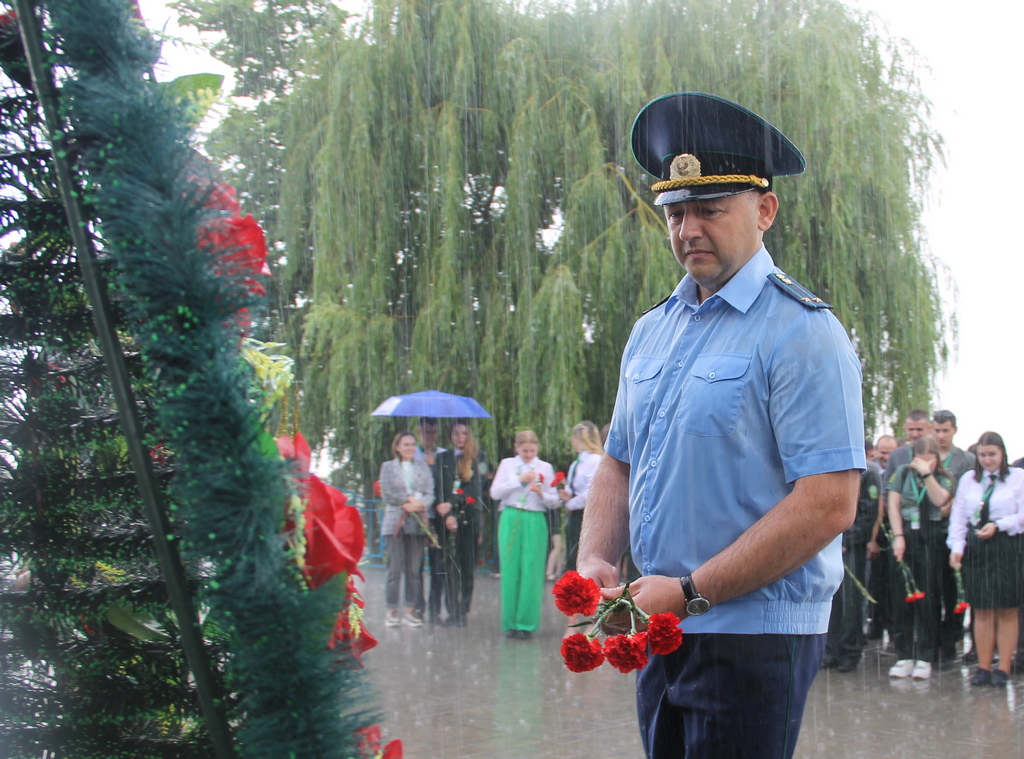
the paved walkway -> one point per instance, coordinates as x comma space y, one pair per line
468, 693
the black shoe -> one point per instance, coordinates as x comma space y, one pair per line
524, 634
944, 664
847, 666
982, 677
512, 634
971, 657
999, 678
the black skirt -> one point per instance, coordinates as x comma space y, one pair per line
993, 571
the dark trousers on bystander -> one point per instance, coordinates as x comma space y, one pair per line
845, 642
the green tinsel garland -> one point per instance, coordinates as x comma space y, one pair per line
147, 185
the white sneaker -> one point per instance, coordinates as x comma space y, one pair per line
393, 619
922, 670
902, 668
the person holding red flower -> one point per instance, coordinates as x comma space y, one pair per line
985, 529
522, 485
460, 473
407, 488
919, 501
731, 464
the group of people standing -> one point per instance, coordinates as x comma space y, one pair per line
433, 505
434, 508
940, 528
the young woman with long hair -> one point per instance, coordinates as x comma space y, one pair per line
984, 538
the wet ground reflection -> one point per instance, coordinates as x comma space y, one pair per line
462, 693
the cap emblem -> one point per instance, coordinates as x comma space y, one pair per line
684, 166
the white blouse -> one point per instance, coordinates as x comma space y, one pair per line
1005, 507
507, 488
581, 473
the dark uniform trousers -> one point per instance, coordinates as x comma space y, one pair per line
723, 696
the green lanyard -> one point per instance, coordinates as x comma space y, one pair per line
920, 491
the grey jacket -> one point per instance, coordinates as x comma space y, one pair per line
395, 492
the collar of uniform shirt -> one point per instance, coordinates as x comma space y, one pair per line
740, 292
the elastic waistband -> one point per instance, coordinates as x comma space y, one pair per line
759, 617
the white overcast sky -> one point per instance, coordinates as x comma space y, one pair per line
972, 80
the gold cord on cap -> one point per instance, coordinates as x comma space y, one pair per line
685, 172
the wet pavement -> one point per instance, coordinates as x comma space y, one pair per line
469, 693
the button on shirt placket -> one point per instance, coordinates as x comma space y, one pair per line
692, 326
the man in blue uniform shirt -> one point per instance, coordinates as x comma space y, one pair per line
733, 459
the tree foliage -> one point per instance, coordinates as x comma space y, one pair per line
460, 210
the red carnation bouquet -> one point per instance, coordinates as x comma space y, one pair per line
575, 594
559, 480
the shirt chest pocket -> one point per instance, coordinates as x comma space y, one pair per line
712, 393
641, 373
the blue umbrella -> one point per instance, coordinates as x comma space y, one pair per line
431, 403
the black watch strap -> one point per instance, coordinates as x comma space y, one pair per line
696, 604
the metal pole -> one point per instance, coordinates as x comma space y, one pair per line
153, 506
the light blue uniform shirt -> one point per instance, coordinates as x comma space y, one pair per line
721, 407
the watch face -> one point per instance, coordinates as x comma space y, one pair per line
697, 606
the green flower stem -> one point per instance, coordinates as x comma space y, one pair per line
860, 586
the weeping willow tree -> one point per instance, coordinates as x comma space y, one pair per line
459, 210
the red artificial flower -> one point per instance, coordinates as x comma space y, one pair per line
581, 654
343, 636
626, 652
540, 478
295, 449
376, 489
222, 197
918, 595
238, 242
663, 633
470, 500
961, 607
334, 533
458, 491
369, 744
241, 249
559, 481
910, 598
575, 594
334, 529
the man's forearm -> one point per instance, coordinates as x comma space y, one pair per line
787, 537
605, 533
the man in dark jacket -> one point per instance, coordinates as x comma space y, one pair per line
845, 642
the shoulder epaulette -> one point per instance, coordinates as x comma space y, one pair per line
662, 303
796, 291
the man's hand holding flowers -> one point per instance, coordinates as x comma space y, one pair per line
643, 633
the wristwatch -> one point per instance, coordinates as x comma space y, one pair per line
696, 604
